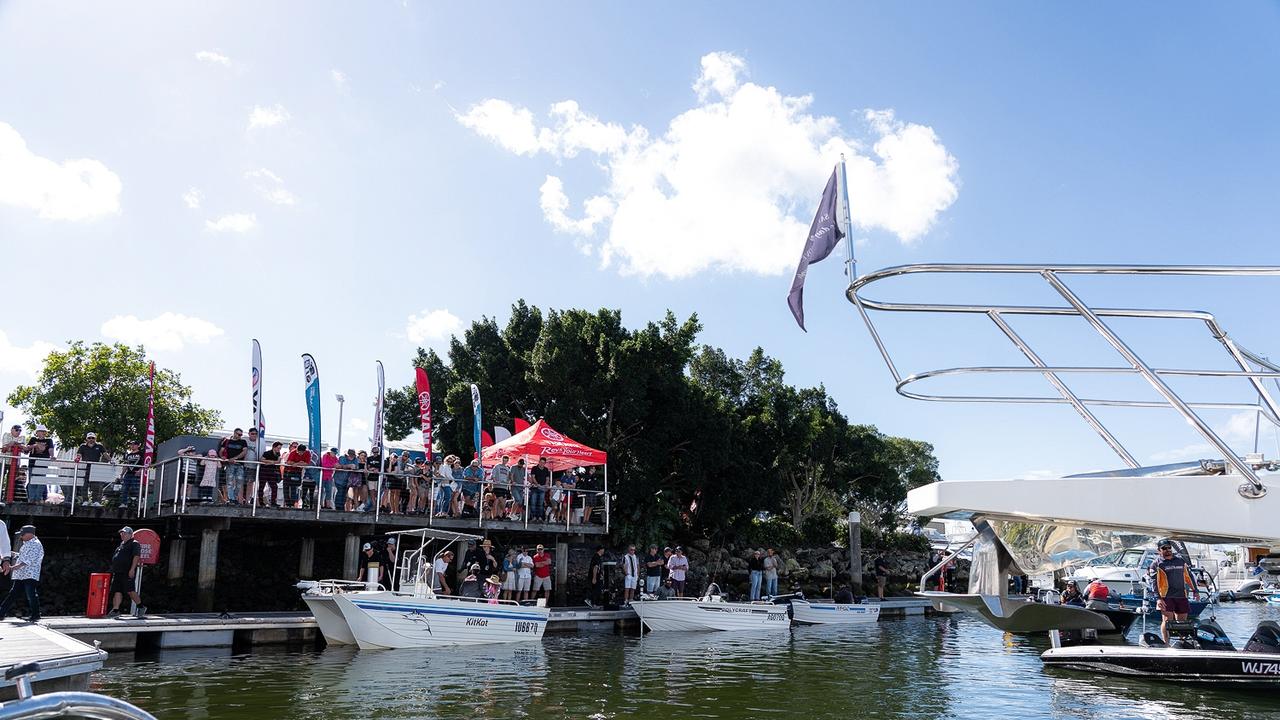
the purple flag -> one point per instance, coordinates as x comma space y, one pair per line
824, 235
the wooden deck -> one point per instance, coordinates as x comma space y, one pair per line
67, 661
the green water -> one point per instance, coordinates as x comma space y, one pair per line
948, 667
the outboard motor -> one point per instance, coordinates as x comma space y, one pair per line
1266, 639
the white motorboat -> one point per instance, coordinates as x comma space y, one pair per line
709, 612
391, 620
414, 615
809, 612
319, 597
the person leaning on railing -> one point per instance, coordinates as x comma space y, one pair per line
91, 451
269, 475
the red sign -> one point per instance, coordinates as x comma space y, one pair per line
150, 543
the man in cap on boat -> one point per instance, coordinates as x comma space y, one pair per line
1172, 574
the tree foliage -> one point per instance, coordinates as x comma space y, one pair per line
103, 388
698, 442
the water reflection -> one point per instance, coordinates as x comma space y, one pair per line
913, 668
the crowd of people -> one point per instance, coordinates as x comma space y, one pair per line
296, 476
522, 573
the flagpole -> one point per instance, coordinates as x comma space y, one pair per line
850, 264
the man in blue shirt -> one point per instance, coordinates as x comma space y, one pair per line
342, 478
472, 477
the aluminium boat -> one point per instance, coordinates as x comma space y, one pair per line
319, 596
711, 612
817, 612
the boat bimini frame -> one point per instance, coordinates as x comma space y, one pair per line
1253, 516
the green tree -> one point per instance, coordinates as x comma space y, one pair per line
103, 388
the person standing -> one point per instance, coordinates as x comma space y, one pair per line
755, 568
131, 477
25, 572
125, 562
500, 486
209, 479
653, 563
630, 574
1172, 574
770, 565
295, 465
488, 561
882, 575
524, 575
538, 490
369, 560
510, 570
678, 566
91, 451
595, 574
39, 447
519, 490
269, 473
328, 462
342, 479
235, 451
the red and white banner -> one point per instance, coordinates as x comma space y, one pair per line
149, 446
424, 409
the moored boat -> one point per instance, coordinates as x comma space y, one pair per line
809, 612
319, 597
709, 612
413, 615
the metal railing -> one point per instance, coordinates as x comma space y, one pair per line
61, 704
1246, 360
172, 485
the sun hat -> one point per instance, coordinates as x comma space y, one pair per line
493, 580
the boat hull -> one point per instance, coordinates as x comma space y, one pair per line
333, 626
385, 620
1206, 667
818, 613
702, 616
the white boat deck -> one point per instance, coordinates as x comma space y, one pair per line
64, 658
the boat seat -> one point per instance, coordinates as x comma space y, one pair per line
1153, 640
1266, 639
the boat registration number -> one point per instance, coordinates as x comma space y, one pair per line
524, 626
780, 617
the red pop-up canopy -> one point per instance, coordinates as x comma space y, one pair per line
542, 440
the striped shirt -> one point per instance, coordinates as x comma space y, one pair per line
30, 558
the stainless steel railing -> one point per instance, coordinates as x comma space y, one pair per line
1253, 368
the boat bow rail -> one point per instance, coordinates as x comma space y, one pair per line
1252, 368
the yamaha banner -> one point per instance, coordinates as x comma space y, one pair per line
477, 425
258, 422
424, 409
311, 375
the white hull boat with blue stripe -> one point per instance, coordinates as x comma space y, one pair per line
821, 613
710, 613
385, 620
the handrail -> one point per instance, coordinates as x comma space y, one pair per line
61, 704
1053, 274
949, 558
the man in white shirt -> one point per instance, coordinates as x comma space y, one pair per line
630, 573
677, 565
524, 576
25, 573
438, 570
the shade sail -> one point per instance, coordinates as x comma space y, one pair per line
542, 440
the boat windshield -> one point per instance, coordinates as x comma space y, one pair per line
1131, 558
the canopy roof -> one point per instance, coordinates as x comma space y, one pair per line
542, 440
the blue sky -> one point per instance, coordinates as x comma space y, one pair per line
352, 179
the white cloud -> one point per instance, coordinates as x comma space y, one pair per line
1237, 431
192, 198
555, 204
731, 183
432, 325
339, 80
167, 331
264, 117
213, 58
23, 360
234, 223
81, 189
270, 186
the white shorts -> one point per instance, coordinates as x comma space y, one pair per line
542, 582
629, 582
522, 583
